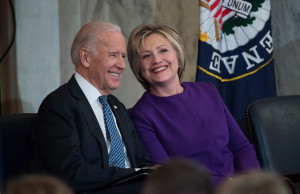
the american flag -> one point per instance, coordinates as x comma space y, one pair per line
220, 13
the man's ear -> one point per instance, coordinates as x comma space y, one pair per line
84, 57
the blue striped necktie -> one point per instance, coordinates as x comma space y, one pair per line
116, 154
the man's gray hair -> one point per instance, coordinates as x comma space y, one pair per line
88, 37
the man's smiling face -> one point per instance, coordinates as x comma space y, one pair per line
107, 62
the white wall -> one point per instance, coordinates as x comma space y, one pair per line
37, 50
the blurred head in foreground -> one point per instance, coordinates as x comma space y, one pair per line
261, 182
179, 176
37, 184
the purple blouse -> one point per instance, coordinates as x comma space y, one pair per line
196, 125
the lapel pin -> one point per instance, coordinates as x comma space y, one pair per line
115, 107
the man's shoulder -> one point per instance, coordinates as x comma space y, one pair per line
64, 94
65, 90
62, 91
63, 100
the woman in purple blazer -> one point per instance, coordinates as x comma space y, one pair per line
188, 119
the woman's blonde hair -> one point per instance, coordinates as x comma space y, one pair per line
136, 41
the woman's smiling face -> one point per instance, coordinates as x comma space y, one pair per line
159, 62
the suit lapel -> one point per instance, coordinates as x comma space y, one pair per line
90, 117
118, 115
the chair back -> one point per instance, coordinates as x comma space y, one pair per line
274, 128
14, 146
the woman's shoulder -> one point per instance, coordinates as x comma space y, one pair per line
143, 102
198, 85
203, 90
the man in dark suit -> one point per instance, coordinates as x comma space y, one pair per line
70, 138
